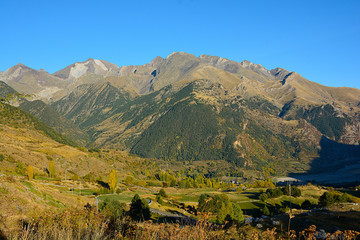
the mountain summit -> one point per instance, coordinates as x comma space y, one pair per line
92, 66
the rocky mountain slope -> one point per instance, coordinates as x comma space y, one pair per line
30, 81
192, 108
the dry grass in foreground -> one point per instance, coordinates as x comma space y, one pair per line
89, 224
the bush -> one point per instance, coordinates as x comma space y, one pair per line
342, 198
112, 209
295, 192
329, 198
89, 177
274, 192
19, 169
159, 200
263, 197
114, 212
94, 150
129, 180
265, 211
284, 209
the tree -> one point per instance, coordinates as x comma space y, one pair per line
112, 180
30, 173
139, 209
111, 208
162, 193
295, 192
265, 211
238, 213
326, 199
114, 211
222, 213
204, 202
306, 204
52, 168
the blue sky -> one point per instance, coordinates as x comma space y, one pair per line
318, 39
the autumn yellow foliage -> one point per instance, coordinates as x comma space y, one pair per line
112, 180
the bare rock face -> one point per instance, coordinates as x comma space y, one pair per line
258, 68
351, 134
235, 67
98, 67
279, 73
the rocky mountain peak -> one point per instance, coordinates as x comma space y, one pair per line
95, 66
279, 73
177, 54
20, 65
258, 68
15, 72
213, 60
156, 62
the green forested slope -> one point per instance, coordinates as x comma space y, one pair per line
16, 117
53, 119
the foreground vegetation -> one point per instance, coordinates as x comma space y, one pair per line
91, 224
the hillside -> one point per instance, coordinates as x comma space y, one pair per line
39, 83
5, 89
24, 142
15, 117
44, 113
53, 119
208, 108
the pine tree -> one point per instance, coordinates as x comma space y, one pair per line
30, 173
237, 213
112, 180
139, 209
265, 211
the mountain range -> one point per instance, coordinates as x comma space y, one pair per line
189, 108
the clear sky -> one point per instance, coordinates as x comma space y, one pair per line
318, 39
